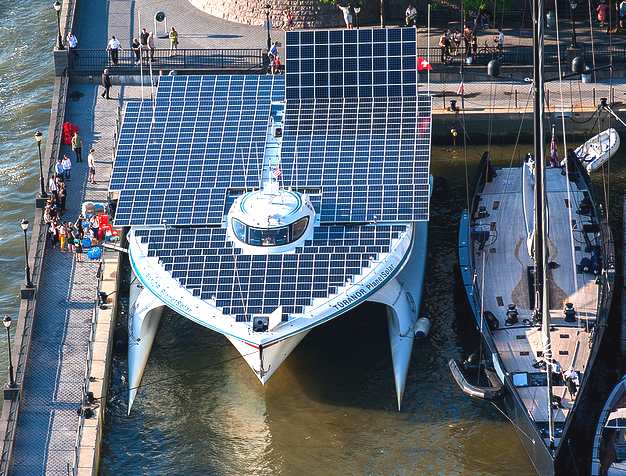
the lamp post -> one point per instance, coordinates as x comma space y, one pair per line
382, 13
573, 4
7, 325
357, 10
57, 8
42, 192
24, 224
268, 7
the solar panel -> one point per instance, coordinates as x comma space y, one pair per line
369, 156
207, 132
351, 63
200, 206
242, 285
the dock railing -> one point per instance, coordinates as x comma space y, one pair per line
92, 62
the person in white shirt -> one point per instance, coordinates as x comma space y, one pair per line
67, 167
347, 15
411, 15
72, 43
114, 47
91, 163
500, 39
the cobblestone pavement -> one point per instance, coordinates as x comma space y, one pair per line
53, 382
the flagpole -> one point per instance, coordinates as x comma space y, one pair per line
428, 51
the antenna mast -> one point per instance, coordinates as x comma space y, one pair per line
542, 308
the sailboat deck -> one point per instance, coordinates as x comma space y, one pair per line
507, 280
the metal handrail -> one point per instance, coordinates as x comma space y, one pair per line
88, 365
94, 61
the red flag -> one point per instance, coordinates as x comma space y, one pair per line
423, 64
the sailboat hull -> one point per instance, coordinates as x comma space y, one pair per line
533, 436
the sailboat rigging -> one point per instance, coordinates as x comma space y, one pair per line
541, 309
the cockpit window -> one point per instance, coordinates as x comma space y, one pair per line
239, 229
298, 228
272, 236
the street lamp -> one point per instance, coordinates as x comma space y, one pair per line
57, 8
357, 10
382, 13
7, 325
24, 224
268, 8
42, 192
573, 4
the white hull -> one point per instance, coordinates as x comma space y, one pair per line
597, 150
143, 323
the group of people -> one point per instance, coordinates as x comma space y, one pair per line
603, 12
145, 45
276, 66
469, 40
69, 235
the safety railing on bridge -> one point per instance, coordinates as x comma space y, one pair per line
85, 62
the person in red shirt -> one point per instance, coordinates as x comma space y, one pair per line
603, 12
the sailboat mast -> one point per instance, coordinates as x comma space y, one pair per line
541, 252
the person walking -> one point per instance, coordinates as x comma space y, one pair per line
347, 15
151, 46
106, 83
67, 167
136, 47
77, 147
444, 46
91, 163
114, 47
173, 41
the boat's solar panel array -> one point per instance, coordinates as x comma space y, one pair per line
369, 156
351, 63
356, 137
204, 262
208, 139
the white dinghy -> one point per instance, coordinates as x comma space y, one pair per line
597, 150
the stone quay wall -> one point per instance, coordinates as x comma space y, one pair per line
305, 13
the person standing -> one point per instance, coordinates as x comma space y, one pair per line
151, 46
347, 15
143, 39
72, 43
173, 41
444, 46
58, 168
500, 40
91, 163
603, 12
136, 47
77, 147
106, 83
411, 15
67, 167
114, 47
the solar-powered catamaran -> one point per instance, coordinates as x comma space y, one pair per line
263, 206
